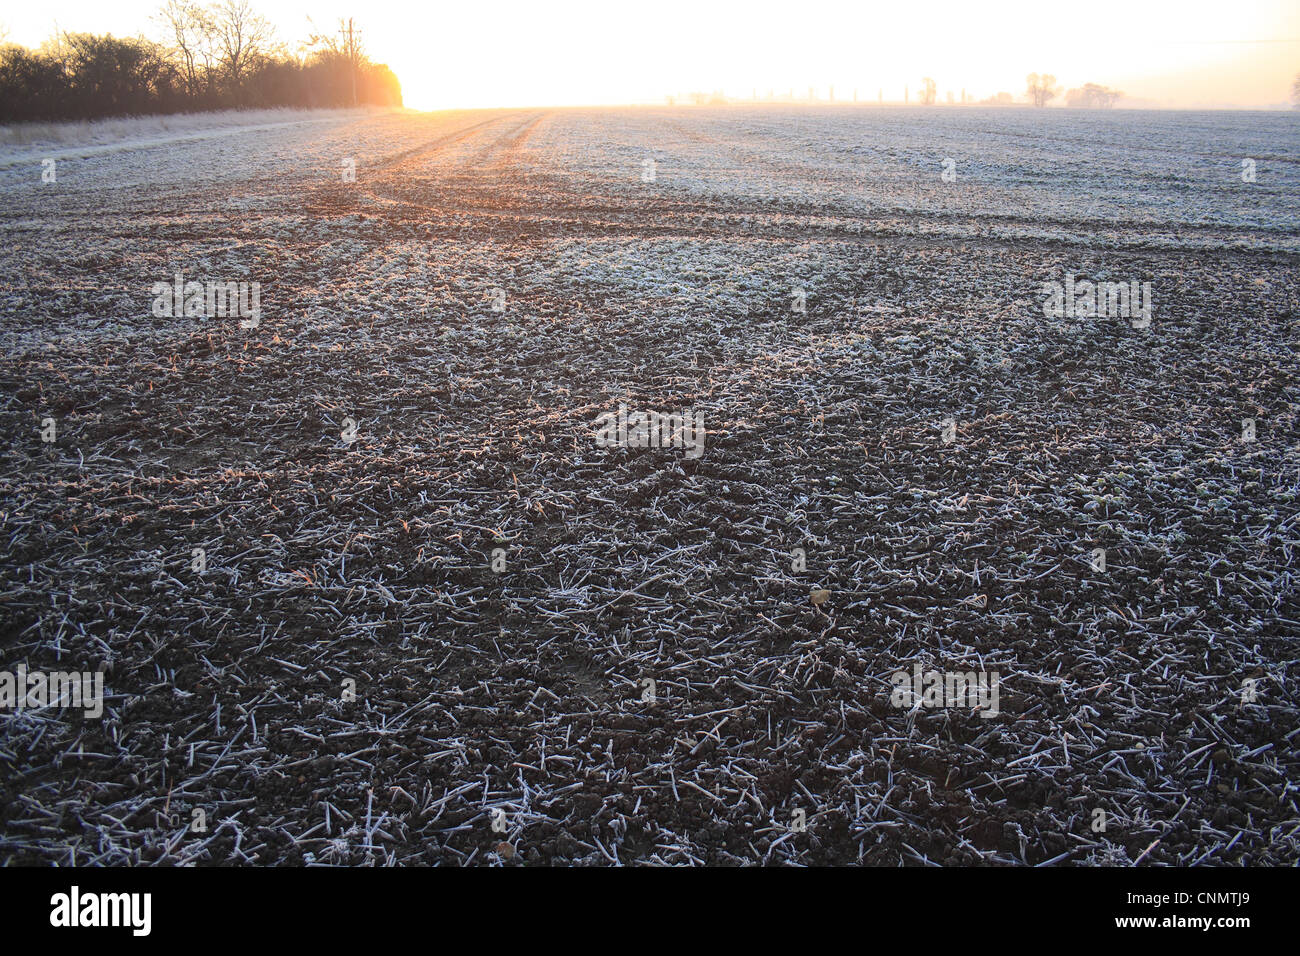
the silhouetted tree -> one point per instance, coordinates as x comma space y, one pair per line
244, 39
927, 91
32, 86
112, 77
192, 34
1041, 88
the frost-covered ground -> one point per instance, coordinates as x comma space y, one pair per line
497, 590
21, 142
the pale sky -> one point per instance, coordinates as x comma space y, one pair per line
1175, 53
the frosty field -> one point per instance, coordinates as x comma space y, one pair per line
365, 588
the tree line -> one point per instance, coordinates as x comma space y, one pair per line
1040, 89
219, 56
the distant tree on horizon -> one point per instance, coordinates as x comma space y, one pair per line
1041, 88
928, 91
1092, 96
1295, 92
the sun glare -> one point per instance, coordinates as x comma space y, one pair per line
573, 52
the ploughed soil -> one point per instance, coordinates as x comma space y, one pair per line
471, 635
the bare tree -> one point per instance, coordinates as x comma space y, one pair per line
243, 38
1295, 92
1041, 88
928, 91
85, 76
191, 38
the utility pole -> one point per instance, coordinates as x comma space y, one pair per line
352, 55
350, 47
